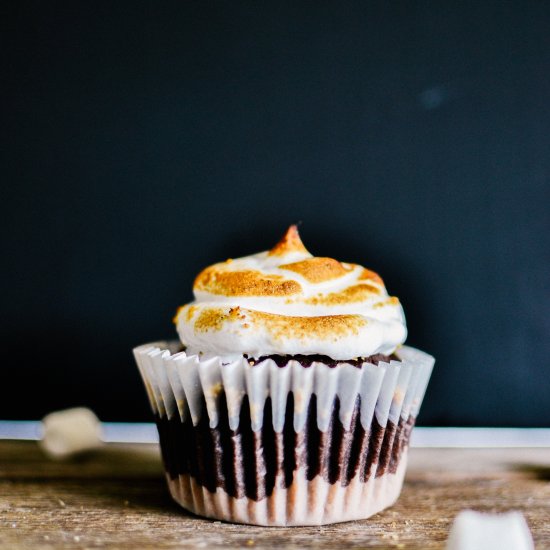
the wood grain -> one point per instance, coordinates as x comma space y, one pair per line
117, 498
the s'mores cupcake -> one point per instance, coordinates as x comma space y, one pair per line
293, 399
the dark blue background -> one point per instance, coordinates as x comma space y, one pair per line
142, 141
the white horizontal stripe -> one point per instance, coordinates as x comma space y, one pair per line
480, 437
145, 432
135, 432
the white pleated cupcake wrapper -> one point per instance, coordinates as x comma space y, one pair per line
176, 384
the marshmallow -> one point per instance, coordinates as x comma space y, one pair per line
476, 531
70, 432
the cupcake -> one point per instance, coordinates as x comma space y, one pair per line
290, 397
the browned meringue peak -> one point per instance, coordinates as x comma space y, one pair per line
290, 242
315, 269
244, 278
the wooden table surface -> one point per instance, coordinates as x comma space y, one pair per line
117, 498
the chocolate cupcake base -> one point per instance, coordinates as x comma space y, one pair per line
315, 502
288, 478
267, 444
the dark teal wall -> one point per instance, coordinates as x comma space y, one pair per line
142, 141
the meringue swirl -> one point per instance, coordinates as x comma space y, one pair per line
287, 302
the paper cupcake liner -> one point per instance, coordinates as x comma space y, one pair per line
289, 445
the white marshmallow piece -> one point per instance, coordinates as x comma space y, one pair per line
70, 432
479, 531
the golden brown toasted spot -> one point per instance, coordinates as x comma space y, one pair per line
318, 270
244, 283
290, 242
367, 274
235, 313
211, 319
325, 327
282, 326
391, 301
175, 318
352, 294
190, 312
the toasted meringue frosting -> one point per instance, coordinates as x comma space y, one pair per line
287, 302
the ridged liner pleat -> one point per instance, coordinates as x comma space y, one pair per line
314, 439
